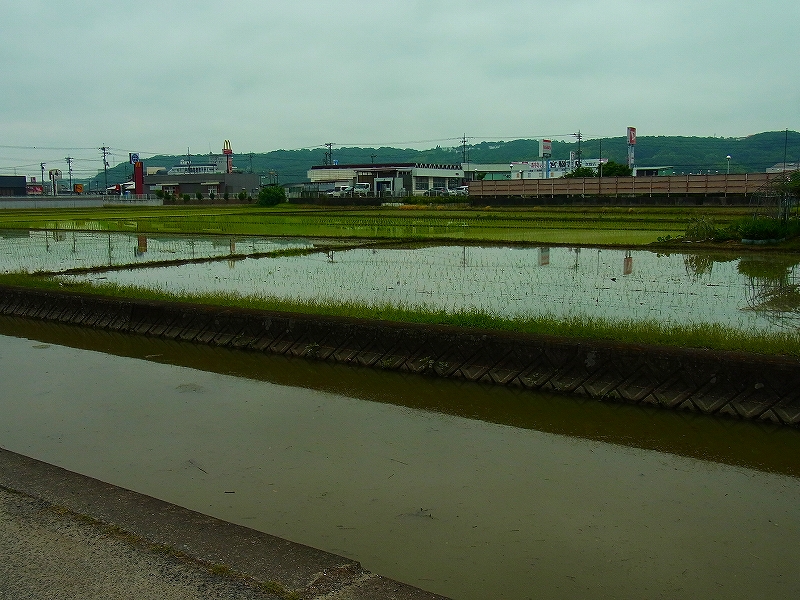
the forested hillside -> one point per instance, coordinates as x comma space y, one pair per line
685, 154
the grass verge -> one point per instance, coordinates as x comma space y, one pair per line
697, 335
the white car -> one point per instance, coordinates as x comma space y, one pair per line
361, 189
340, 191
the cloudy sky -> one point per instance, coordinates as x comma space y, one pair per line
163, 76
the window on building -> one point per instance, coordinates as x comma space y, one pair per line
421, 183
439, 182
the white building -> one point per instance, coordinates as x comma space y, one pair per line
784, 167
389, 179
531, 169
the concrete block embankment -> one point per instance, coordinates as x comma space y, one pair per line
726, 383
73, 522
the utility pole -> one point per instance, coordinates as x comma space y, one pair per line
372, 156
42, 165
463, 149
600, 166
251, 162
104, 149
785, 148
69, 160
580, 137
329, 154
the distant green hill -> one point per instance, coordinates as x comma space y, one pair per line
749, 154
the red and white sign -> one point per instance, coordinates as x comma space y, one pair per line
546, 148
631, 136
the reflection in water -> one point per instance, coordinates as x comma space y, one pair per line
627, 263
52, 251
774, 289
762, 446
470, 491
698, 265
544, 257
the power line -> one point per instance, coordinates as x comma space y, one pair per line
105, 149
69, 160
43, 148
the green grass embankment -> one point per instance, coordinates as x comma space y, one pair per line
704, 336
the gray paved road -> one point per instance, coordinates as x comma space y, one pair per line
46, 553
66, 536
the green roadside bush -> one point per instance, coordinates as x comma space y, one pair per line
271, 195
702, 229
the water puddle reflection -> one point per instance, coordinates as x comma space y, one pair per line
472, 491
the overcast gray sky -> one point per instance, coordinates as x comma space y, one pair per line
163, 76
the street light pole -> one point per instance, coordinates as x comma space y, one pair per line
729, 163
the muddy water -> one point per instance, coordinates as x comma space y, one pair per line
467, 490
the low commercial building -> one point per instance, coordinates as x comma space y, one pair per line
213, 178
388, 179
13, 185
781, 167
208, 184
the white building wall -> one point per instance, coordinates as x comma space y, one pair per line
318, 175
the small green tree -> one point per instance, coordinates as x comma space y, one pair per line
271, 195
226, 196
198, 195
242, 196
582, 172
615, 169
212, 195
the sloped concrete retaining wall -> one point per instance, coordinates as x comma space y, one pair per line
736, 384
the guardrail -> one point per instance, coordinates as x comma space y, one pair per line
669, 185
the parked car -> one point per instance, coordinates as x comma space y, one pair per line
340, 191
437, 191
361, 189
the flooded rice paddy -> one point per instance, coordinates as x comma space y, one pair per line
471, 491
755, 292
463, 489
54, 251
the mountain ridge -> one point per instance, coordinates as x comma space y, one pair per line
685, 154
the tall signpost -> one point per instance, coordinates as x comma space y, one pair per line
55, 175
545, 151
138, 173
228, 152
631, 146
